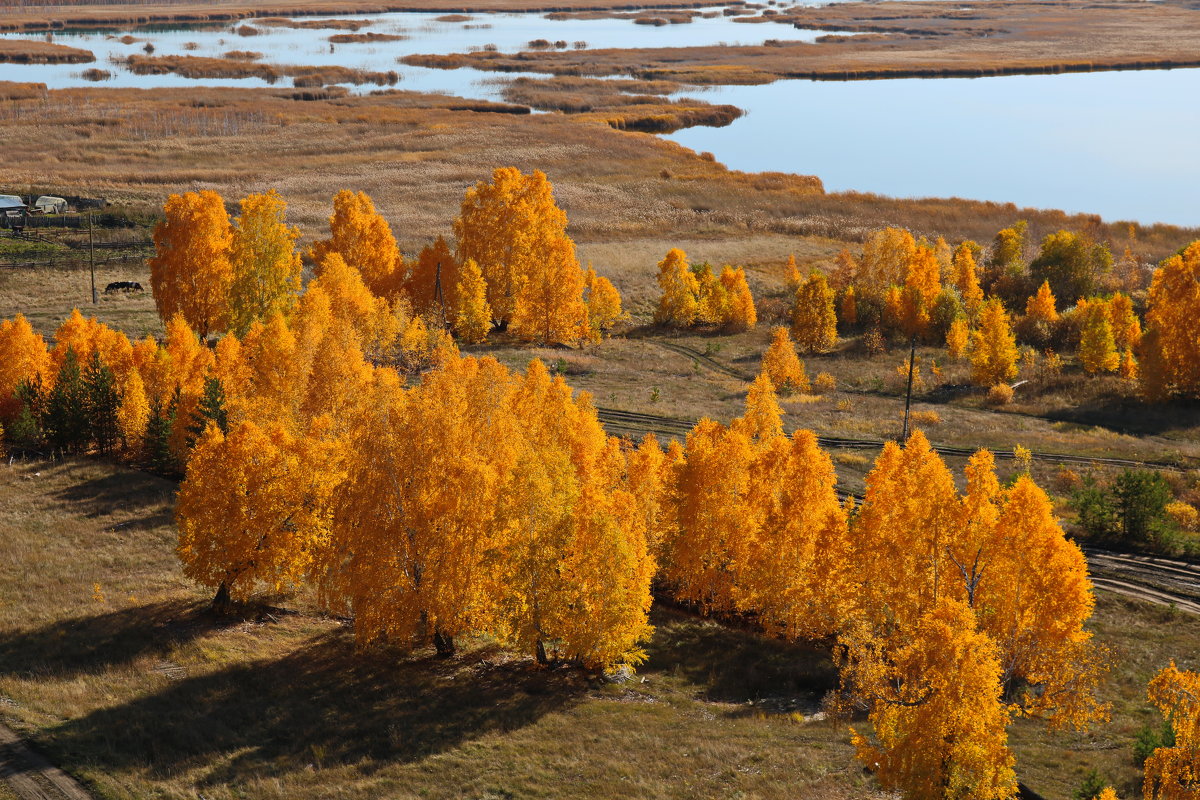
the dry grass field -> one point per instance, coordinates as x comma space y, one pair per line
110, 663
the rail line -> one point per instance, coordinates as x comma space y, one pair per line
620, 421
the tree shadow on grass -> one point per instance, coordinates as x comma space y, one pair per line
737, 666
1130, 416
72, 647
322, 705
123, 489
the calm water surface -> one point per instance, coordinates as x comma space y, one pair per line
1119, 144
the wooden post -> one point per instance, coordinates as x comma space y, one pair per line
92, 260
912, 360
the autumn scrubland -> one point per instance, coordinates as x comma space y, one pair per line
369, 488
457, 451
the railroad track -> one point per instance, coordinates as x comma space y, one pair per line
632, 422
704, 359
1159, 580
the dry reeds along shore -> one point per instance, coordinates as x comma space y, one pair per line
26, 51
242, 65
902, 39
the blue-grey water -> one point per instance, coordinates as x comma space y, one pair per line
1118, 144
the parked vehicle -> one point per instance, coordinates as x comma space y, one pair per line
48, 204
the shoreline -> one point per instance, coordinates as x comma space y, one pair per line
59, 17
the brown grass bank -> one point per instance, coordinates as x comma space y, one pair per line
628, 105
353, 38
27, 51
415, 154
243, 67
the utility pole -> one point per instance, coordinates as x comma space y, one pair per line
438, 296
912, 360
92, 259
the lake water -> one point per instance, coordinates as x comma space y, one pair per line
1118, 144
507, 33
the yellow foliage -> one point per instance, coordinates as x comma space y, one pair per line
190, 273
679, 305
849, 308
999, 394
824, 382
254, 508
134, 412
782, 365
266, 267
1129, 366
993, 347
1168, 355
934, 689
474, 319
363, 238
1184, 515
603, 304
549, 306
741, 315
814, 322
885, 259
1171, 773
956, 338
432, 282
1097, 348
926, 418
1042, 306
924, 274
763, 418
514, 230
23, 357
791, 275
967, 279
796, 571
713, 298
1127, 329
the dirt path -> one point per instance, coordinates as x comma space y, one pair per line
31, 776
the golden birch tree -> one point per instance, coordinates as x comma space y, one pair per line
1173, 772
363, 238
679, 304
23, 357
993, 347
603, 304
474, 319
266, 266
549, 305
814, 322
781, 364
190, 272
741, 315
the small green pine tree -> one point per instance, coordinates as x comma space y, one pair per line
157, 441
101, 401
65, 419
210, 409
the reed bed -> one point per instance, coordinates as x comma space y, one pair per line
25, 51
302, 76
